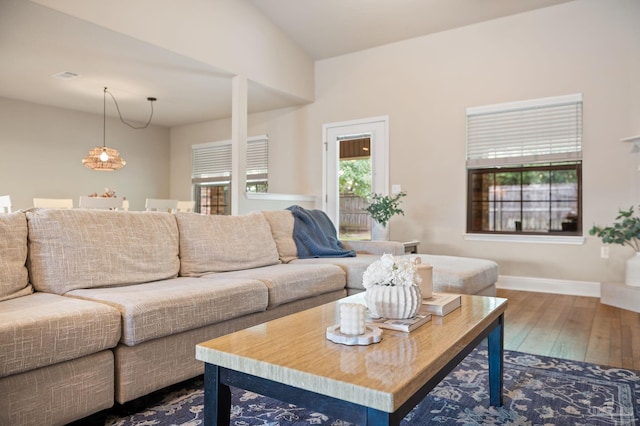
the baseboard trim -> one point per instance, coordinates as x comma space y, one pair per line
546, 285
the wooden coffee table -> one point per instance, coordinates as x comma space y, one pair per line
291, 360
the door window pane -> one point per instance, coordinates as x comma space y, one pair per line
354, 180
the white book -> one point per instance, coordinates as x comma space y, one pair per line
440, 304
405, 325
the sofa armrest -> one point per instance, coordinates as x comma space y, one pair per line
395, 248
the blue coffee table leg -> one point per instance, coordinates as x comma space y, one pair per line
217, 397
496, 347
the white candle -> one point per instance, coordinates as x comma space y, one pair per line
426, 285
352, 318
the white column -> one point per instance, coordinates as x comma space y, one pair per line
238, 142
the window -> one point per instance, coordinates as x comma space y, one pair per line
211, 173
524, 167
257, 164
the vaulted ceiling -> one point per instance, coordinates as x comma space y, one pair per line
37, 42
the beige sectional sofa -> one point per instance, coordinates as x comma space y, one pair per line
102, 306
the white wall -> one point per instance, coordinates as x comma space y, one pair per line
286, 130
41, 151
425, 84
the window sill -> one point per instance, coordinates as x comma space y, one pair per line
278, 197
536, 239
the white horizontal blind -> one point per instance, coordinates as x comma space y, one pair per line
536, 131
211, 162
257, 158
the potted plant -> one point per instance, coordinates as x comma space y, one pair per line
383, 207
626, 232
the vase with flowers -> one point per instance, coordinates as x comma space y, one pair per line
626, 232
392, 287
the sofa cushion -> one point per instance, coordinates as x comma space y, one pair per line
14, 277
43, 329
395, 248
353, 267
71, 249
451, 274
287, 283
466, 275
281, 223
58, 394
162, 308
216, 243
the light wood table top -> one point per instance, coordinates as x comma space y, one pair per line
294, 350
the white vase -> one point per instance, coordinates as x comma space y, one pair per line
379, 232
393, 302
632, 271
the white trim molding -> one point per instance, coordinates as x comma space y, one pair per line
280, 197
546, 285
633, 139
621, 296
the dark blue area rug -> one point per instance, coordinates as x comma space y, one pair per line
537, 391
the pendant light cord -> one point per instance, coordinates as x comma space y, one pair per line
151, 101
104, 118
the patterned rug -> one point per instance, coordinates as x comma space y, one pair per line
538, 391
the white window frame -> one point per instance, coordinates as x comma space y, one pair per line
554, 144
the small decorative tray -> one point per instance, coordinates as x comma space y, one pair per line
372, 334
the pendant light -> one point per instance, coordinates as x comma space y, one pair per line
105, 159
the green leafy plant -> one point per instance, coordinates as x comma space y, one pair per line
355, 177
383, 207
624, 231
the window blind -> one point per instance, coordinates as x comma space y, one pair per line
535, 131
211, 162
257, 158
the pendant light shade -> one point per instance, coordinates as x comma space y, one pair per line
105, 159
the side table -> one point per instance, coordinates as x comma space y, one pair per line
411, 246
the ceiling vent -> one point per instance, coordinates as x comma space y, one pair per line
65, 75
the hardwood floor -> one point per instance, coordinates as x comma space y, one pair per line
572, 327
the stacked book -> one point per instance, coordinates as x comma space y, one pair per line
440, 304
405, 325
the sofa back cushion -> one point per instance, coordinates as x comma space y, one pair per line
14, 277
281, 223
215, 243
72, 249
